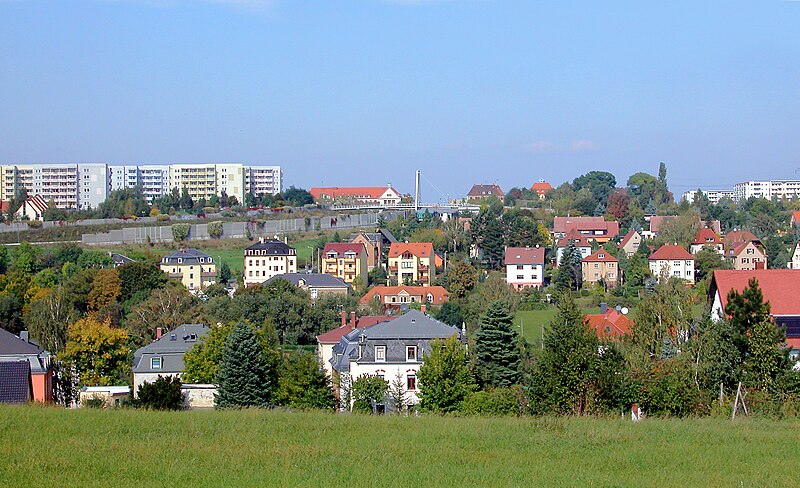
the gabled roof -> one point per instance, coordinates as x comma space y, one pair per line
411, 325
734, 249
272, 248
335, 335
706, 236
418, 249
740, 236
374, 237
656, 221
187, 256
626, 239
780, 287
671, 251
563, 225
601, 255
617, 323
11, 345
368, 192
119, 259
485, 191
315, 280
578, 239
171, 348
524, 255
795, 217
340, 248
541, 187
439, 293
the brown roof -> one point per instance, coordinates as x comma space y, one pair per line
440, 294
541, 187
656, 221
419, 249
601, 255
524, 255
580, 240
562, 225
739, 236
706, 236
617, 323
342, 247
485, 191
671, 251
371, 192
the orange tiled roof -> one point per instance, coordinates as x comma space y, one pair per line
440, 294
342, 247
372, 192
617, 323
596, 256
541, 187
671, 251
419, 249
706, 236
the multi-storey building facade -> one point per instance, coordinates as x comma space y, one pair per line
345, 260
266, 259
203, 181
153, 180
600, 267
71, 185
674, 261
524, 267
779, 189
195, 269
714, 196
264, 180
412, 263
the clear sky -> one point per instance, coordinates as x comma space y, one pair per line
363, 92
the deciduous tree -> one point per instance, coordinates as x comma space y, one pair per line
444, 378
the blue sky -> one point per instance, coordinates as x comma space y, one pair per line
363, 92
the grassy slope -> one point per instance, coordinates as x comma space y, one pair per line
251, 448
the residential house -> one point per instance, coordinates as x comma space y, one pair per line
412, 263
483, 192
366, 195
746, 256
268, 258
780, 287
600, 267
119, 259
581, 242
735, 236
26, 372
326, 341
195, 269
376, 243
540, 188
794, 262
657, 222
524, 267
610, 323
345, 260
706, 237
674, 260
33, 208
398, 297
794, 221
630, 243
316, 284
164, 356
391, 349
112, 396
594, 228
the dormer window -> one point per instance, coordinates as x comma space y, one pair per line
155, 363
411, 353
380, 353
180, 260
601, 255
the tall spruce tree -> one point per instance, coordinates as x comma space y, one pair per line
244, 376
746, 309
496, 348
568, 275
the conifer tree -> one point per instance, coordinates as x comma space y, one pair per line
244, 376
496, 348
568, 275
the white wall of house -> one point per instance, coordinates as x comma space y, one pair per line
585, 252
525, 275
678, 268
794, 263
389, 372
141, 378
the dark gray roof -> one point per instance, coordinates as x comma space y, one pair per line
119, 259
272, 248
411, 325
15, 381
11, 345
187, 256
170, 348
315, 280
381, 234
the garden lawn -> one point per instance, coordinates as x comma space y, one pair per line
42, 446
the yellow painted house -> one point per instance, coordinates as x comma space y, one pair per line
195, 269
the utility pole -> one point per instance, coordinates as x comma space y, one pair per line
416, 192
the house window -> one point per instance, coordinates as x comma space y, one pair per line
596, 265
155, 363
519, 266
429, 298
411, 382
406, 264
411, 353
380, 353
677, 263
520, 277
751, 251
313, 293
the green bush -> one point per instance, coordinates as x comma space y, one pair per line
94, 402
162, 394
366, 389
494, 402
215, 229
162, 217
180, 231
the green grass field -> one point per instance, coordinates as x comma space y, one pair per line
54, 447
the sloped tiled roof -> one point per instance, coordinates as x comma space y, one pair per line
370, 192
706, 236
564, 225
736, 248
626, 238
671, 251
739, 236
440, 294
541, 187
617, 323
11, 345
580, 241
656, 221
419, 249
316, 280
187, 256
171, 348
601, 255
340, 248
524, 255
335, 335
485, 191
272, 248
780, 287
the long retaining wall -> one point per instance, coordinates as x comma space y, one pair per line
258, 228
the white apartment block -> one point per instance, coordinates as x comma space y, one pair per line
203, 181
780, 189
68, 185
714, 196
264, 180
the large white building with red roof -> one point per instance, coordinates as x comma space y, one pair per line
524, 267
674, 260
367, 195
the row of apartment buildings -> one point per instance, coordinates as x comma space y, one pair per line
87, 185
773, 189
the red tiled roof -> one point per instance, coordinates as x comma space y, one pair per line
342, 247
563, 225
485, 191
795, 217
440, 294
656, 221
4, 205
739, 236
617, 323
706, 236
671, 251
580, 240
370, 192
780, 287
541, 187
419, 249
626, 238
335, 335
524, 255
735, 248
596, 256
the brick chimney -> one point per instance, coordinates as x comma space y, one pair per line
159, 332
343, 315
423, 308
353, 320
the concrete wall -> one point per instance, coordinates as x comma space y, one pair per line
198, 395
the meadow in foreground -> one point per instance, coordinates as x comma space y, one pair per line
54, 447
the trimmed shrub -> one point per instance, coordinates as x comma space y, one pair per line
180, 231
215, 229
162, 394
494, 402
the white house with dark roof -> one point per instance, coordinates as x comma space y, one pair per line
316, 284
195, 269
524, 267
268, 258
388, 349
164, 356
